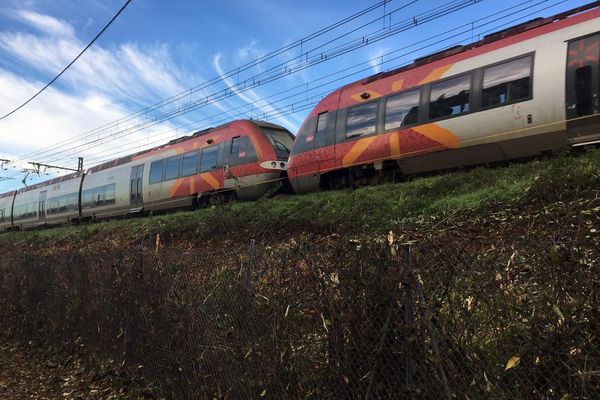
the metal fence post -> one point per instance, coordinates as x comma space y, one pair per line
408, 320
434, 342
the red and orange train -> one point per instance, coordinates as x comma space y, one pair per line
519, 92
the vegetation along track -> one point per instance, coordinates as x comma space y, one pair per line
503, 277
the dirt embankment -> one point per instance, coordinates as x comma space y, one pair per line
29, 370
509, 297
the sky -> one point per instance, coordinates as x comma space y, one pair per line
216, 61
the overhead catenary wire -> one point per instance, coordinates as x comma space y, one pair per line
287, 109
71, 63
466, 28
533, 12
229, 73
258, 80
268, 75
463, 32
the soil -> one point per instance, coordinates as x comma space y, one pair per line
29, 371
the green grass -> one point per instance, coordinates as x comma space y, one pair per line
379, 208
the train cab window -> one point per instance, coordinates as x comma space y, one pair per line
245, 152
1, 215
450, 97
109, 194
361, 120
208, 159
281, 142
189, 164
402, 110
172, 168
156, 171
235, 145
506, 83
322, 122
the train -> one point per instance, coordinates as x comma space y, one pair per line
519, 92
244, 159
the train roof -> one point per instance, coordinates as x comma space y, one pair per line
131, 157
52, 181
491, 38
7, 194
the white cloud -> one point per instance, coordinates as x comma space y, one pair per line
45, 23
102, 86
376, 59
250, 96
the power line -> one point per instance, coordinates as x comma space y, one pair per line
275, 73
290, 108
218, 78
71, 63
282, 110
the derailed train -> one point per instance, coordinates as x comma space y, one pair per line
525, 90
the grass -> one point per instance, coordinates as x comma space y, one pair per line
563, 177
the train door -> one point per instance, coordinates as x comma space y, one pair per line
42, 207
135, 187
583, 89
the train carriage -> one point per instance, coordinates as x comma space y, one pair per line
60, 200
244, 159
104, 191
519, 92
51, 202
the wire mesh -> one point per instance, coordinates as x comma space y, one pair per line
370, 317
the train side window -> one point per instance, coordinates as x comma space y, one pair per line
450, 97
156, 171
361, 120
98, 196
506, 83
189, 164
88, 198
402, 110
1, 215
109, 197
583, 90
172, 168
72, 202
208, 160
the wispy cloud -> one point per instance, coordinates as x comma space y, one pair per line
102, 86
44, 23
376, 59
250, 96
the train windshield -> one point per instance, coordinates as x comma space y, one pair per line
282, 142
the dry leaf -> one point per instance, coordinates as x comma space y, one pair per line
513, 362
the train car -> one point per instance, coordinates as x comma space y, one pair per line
516, 93
244, 158
6, 203
59, 199
50, 202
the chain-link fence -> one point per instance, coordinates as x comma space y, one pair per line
450, 315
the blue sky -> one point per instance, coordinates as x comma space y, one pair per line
157, 49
